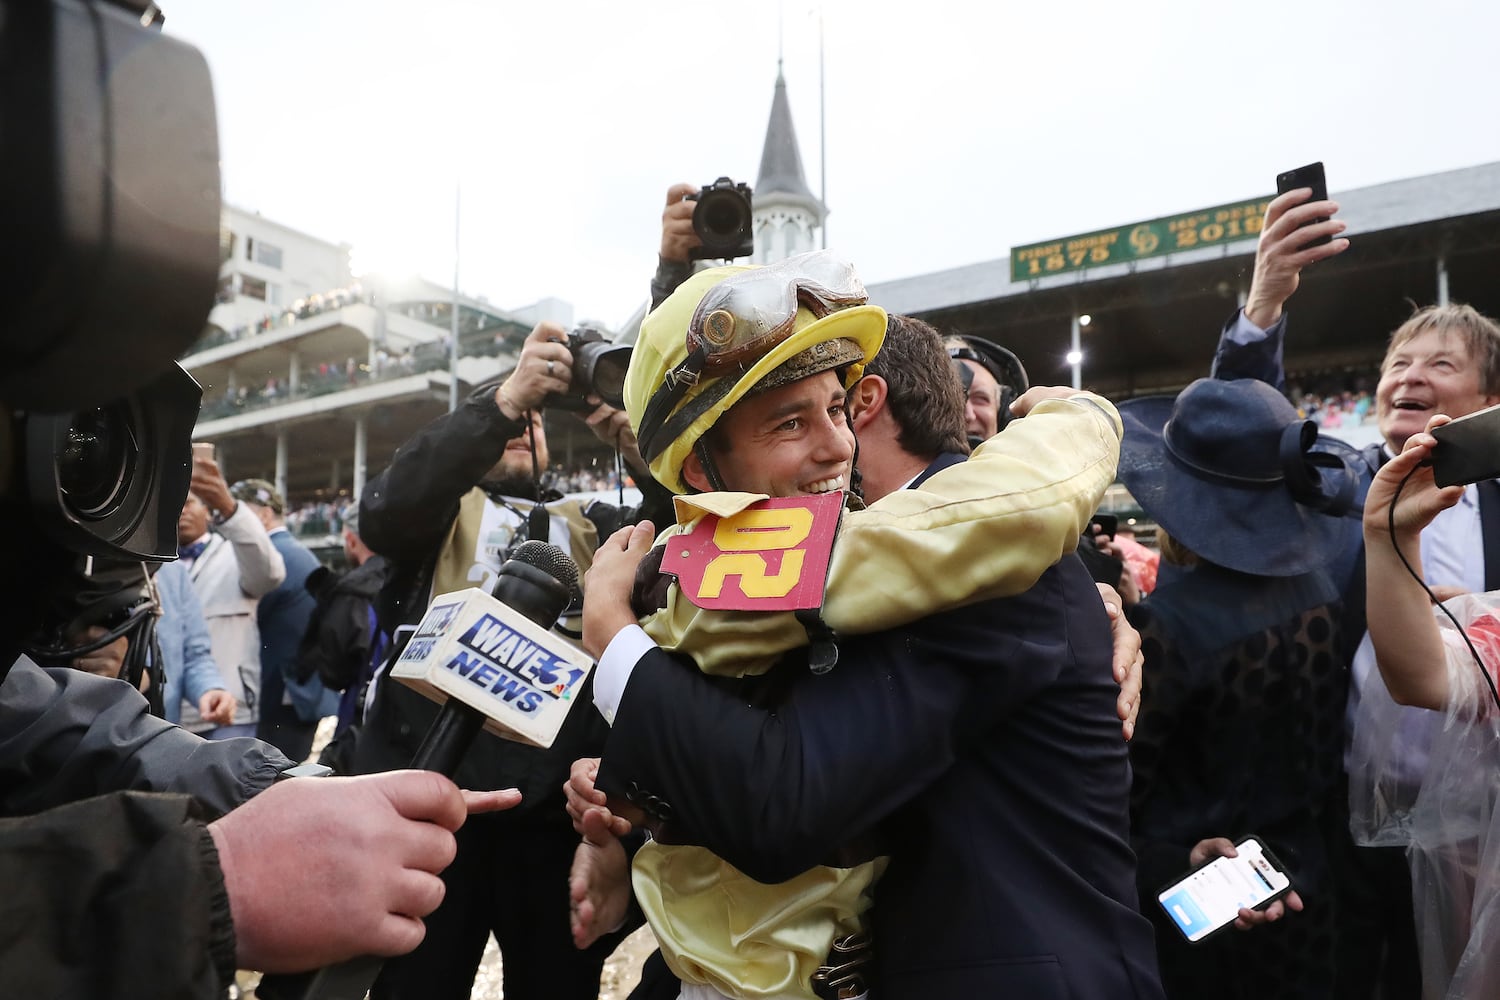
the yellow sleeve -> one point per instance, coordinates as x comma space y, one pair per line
988, 527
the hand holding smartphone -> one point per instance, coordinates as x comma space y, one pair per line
1468, 448
1310, 176
1208, 899
203, 450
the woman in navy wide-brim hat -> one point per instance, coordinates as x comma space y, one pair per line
1241, 724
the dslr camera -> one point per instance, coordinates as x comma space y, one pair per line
722, 221
599, 367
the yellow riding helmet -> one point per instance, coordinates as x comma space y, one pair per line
848, 336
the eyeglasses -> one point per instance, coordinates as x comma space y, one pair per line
742, 319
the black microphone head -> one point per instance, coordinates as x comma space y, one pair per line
550, 560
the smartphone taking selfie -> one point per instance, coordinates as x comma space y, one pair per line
1208, 898
1468, 448
1310, 176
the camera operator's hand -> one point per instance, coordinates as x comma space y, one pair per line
612, 426
678, 238
545, 367
217, 706
106, 661
1283, 251
208, 485
319, 870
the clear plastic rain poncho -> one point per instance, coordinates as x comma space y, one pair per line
1448, 820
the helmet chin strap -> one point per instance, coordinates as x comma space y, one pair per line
856, 480
710, 469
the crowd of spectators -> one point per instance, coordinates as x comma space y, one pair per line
312, 305
320, 517
1336, 410
588, 478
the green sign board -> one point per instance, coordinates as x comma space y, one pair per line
1205, 228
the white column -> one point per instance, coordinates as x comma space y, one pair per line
1442, 280
294, 375
360, 443
281, 463
1077, 348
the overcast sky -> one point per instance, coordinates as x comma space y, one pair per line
955, 129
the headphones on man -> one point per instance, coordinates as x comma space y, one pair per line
999, 362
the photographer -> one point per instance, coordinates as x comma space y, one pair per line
454, 501
700, 223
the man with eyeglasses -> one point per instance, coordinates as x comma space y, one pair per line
978, 748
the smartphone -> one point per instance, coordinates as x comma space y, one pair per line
203, 450
1108, 525
1468, 449
1310, 176
1207, 899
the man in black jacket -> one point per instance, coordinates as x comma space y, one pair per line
344, 641
453, 502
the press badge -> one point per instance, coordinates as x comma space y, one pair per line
771, 556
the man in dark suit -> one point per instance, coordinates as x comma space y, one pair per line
290, 709
1444, 359
978, 748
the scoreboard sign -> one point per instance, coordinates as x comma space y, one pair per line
1207, 227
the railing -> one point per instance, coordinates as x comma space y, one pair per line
422, 358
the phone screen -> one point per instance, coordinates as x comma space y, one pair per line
1210, 897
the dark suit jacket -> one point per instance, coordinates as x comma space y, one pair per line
282, 615
981, 747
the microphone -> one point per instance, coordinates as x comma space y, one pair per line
493, 663
537, 582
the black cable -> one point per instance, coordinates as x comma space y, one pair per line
1391, 522
620, 476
